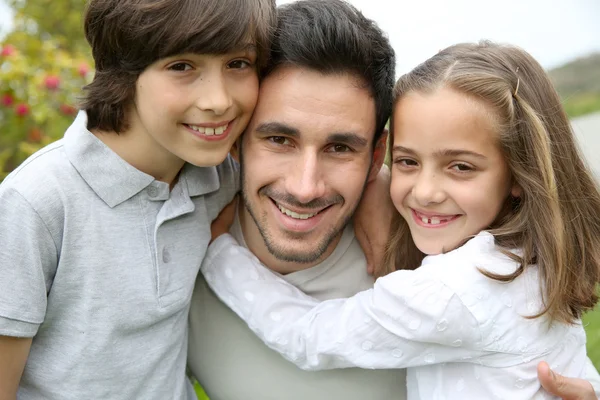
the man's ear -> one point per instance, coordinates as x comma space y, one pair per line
235, 150
378, 155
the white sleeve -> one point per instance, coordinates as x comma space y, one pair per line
591, 375
406, 320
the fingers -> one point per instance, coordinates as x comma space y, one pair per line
565, 388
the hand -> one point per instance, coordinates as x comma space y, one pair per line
224, 220
372, 220
565, 388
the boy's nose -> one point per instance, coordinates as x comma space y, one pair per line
214, 96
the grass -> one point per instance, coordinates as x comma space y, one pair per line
592, 327
581, 104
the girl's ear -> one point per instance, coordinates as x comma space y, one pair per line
516, 190
378, 155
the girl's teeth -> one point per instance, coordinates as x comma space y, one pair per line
209, 131
432, 220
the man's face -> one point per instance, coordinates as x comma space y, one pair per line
306, 156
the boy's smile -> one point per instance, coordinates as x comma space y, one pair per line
188, 108
217, 131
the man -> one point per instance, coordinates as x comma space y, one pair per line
315, 140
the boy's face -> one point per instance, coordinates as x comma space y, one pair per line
193, 107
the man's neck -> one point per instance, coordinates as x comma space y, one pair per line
256, 244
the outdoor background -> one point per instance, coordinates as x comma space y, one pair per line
44, 62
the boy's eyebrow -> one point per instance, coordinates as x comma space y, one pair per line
246, 47
441, 153
348, 138
276, 128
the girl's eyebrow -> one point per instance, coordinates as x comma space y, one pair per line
442, 153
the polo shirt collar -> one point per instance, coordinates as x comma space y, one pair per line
112, 178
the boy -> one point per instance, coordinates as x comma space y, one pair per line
102, 233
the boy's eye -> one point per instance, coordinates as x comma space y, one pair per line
238, 64
181, 66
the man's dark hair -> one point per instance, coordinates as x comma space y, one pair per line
126, 36
333, 37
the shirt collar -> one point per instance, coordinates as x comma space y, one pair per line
112, 178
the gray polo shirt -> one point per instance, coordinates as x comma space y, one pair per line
97, 263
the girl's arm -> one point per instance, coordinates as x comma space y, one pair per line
408, 319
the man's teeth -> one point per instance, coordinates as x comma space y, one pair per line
433, 220
295, 215
210, 131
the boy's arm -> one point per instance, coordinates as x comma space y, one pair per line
13, 355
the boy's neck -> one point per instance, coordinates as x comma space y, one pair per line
144, 154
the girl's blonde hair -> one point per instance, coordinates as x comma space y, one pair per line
556, 219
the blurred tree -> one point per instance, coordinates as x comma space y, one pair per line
44, 63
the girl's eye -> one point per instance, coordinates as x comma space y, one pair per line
238, 64
281, 140
181, 66
462, 167
405, 162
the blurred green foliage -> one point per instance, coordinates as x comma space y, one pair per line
44, 63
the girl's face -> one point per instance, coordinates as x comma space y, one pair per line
449, 177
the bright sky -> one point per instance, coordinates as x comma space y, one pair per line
554, 31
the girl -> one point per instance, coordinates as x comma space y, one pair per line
499, 210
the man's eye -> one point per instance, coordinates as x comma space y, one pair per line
340, 148
238, 64
281, 140
180, 67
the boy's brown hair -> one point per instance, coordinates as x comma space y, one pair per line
556, 219
126, 36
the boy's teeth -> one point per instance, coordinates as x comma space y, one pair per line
210, 131
295, 215
434, 221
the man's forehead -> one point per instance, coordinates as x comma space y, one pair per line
305, 100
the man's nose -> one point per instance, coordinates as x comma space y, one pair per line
305, 179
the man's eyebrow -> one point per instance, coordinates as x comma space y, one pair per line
348, 138
441, 153
276, 128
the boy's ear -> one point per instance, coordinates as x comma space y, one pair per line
235, 150
378, 155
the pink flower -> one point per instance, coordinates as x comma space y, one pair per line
22, 109
52, 82
8, 50
7, 100
67, 109
83, 69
